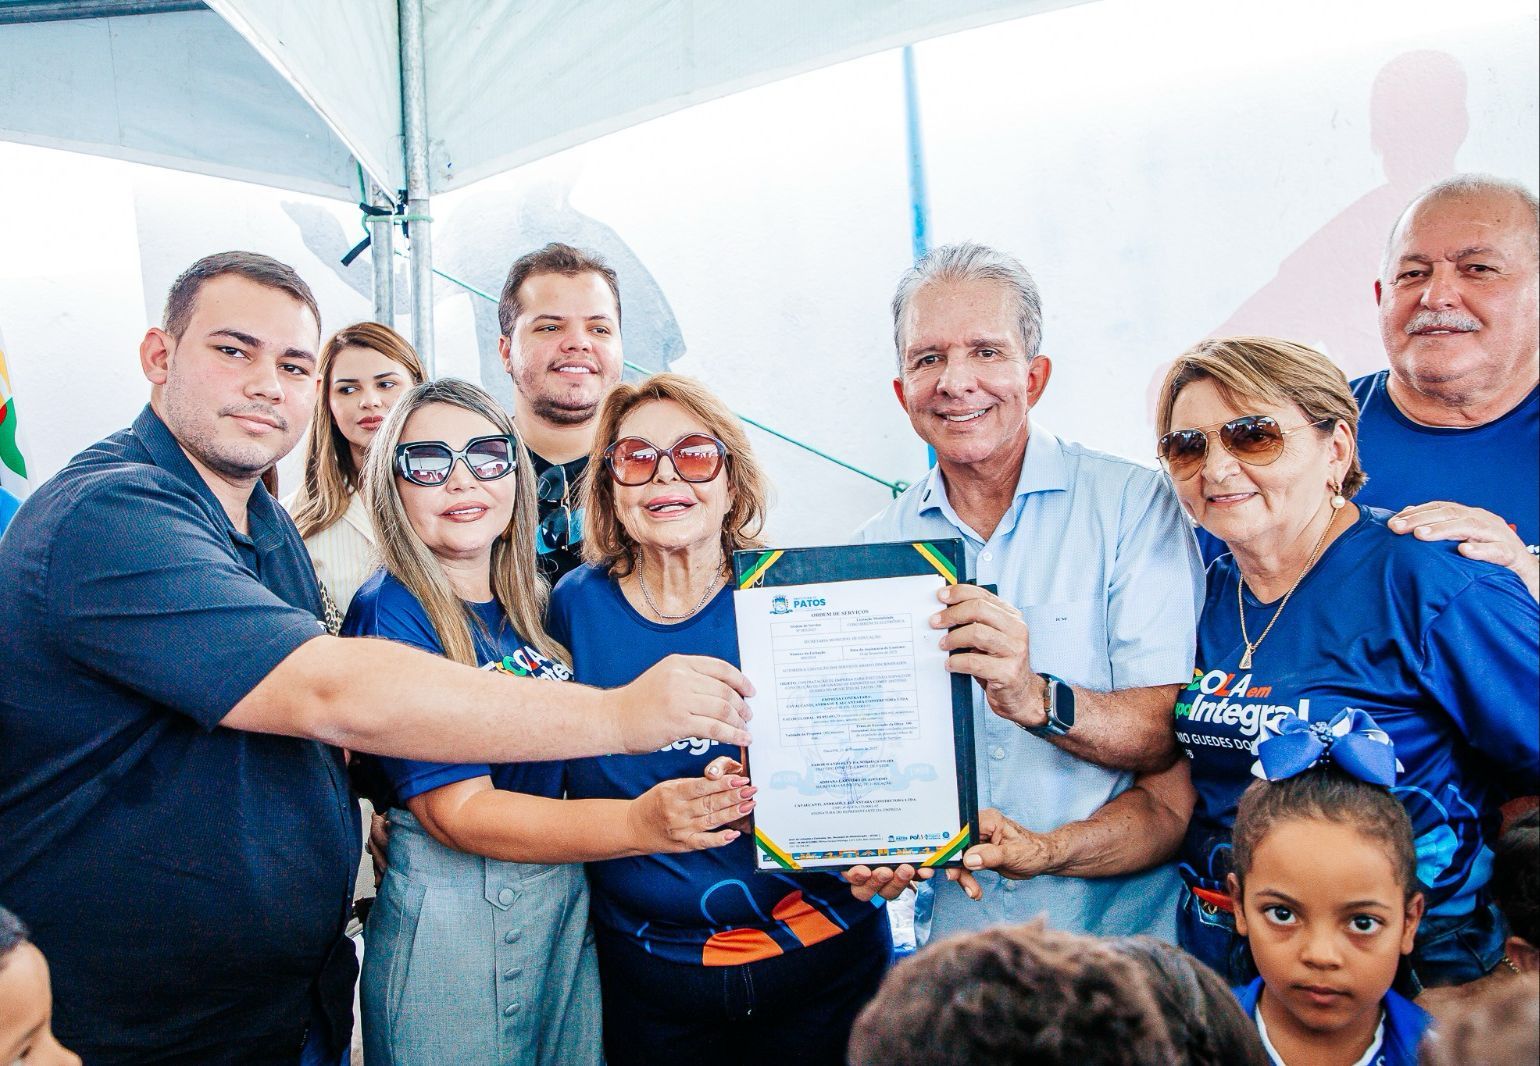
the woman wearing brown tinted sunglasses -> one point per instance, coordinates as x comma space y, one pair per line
1318, 608
698, 954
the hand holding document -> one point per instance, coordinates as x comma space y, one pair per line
863, 749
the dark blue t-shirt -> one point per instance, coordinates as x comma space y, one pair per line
701, 907
1442, 651
1495, 466
383, 607
187, 882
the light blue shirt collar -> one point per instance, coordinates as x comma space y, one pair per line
1043, 469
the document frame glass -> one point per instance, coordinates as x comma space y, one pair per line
863, 746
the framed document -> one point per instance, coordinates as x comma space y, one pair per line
863, 742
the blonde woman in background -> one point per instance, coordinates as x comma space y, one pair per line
478, 948
364, 369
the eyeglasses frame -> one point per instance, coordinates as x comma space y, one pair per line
1215, 429
723, 455
462, 455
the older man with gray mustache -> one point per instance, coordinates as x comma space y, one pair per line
1456, 418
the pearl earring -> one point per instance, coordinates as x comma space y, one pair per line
1338, 501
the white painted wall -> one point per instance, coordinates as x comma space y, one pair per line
1166, 169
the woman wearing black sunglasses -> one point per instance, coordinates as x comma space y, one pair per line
699, 955
478, 947
1318, 608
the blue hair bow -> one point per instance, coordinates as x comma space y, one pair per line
1350, 741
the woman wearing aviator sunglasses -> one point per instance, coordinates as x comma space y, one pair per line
698, 954
1319, 608
477, 949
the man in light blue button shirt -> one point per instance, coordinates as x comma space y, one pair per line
1080, 656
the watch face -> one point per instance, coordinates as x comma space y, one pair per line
1064, 704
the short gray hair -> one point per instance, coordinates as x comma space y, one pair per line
1467, 185
972, 262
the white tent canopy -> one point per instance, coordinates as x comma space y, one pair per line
290, 92
423, 96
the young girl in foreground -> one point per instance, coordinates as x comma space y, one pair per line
1326, 892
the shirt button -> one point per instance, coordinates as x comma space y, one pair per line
510, 1010
505, 897
997, 752
986, 556
510, 936
511, 972
1010, 886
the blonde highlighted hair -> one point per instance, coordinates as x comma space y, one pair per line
330, 478
605, 540
517, 583
1250, 370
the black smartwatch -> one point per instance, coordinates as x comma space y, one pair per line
1059, 702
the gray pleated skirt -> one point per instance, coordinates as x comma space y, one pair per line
471, 960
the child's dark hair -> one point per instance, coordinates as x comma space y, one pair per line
1203, 1018
1516, 876
12, 933
1014, 996
1327, 793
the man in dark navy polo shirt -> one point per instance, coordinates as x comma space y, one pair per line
175, 823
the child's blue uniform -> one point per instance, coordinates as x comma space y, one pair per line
1405, 1024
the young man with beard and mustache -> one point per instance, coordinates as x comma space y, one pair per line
1456, 418
175, 820
560, 319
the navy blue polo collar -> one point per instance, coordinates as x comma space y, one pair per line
166, 453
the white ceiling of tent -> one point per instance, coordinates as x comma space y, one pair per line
289, 92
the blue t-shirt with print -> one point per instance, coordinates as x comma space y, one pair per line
700, 907
383, 607
1442, 651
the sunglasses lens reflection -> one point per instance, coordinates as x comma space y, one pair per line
697, 458
426, 464
633, 461
1183, 452
1257, 440
552, 485
490, 459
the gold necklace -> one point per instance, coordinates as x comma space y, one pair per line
711, 586
1240, 599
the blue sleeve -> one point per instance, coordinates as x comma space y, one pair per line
143, 588
558, 612
390, 611
1481, 660
1156, 590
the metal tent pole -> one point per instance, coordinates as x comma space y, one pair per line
414, 112
382, 253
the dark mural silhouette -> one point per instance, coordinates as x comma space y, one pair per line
1323, 293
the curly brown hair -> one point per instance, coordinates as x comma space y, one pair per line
1014, 995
